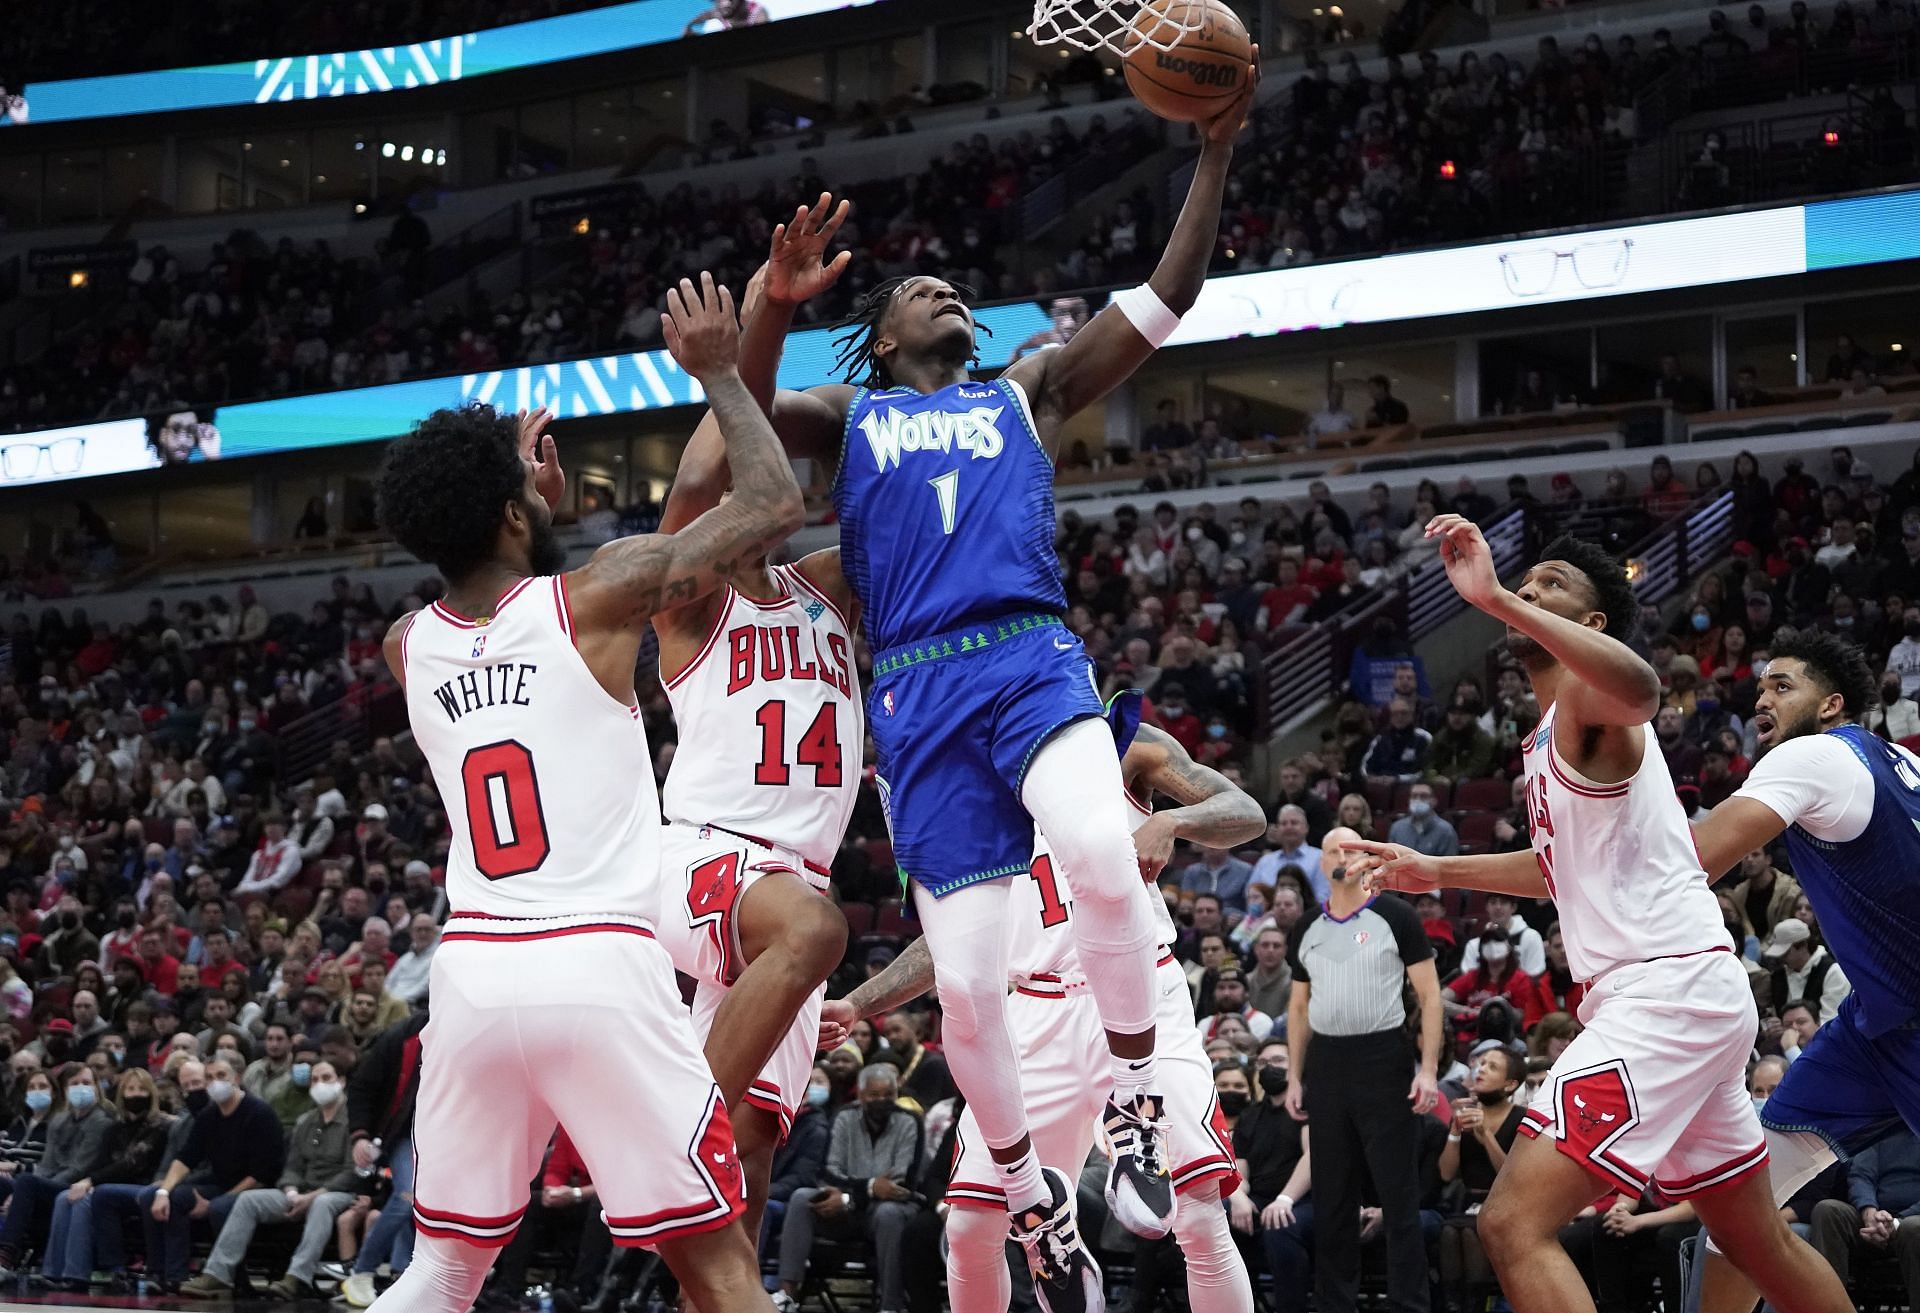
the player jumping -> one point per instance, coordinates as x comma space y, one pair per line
1057, 1031
552, 1002
984, 706
766, 698
1849, 802
1652, 1092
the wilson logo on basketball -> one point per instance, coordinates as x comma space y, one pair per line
1202, 74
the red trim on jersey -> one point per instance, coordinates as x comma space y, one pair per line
670, 1232
480, 1232
1729, 1173
562, 932
813, 866
1585, 790
969, 1195
454, 618
810, 586
1144, 808
405, 634
766, 1096
564, 608
769, 603
1208, 1170
713, 636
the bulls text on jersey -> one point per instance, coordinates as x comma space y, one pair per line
774, 652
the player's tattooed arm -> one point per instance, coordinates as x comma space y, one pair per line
631, 578
906, 978
1212, 812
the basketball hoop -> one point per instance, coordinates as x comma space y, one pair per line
1116, 25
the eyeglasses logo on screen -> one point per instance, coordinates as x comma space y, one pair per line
1534, 270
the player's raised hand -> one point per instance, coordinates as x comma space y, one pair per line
1222, 128
701, 328
1382, 866
797, 269
1469, 561
537, 449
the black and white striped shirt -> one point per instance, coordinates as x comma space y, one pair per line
1357, 967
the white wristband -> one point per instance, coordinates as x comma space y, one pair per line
1286, 1199
1147, 312
1452, 1138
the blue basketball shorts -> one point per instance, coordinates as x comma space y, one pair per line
956, 721
1849, 1088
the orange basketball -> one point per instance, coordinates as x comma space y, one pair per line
1200, 72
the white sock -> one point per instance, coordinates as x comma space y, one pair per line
1026, 1188
1132, 1076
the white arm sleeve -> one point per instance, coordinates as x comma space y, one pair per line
1147, 312
1817, 783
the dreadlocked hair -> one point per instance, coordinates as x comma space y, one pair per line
854, 359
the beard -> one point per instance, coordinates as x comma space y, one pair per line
1527, 651
545, 555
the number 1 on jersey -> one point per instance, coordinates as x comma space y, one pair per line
947, 488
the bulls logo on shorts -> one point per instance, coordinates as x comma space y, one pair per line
1594, 1109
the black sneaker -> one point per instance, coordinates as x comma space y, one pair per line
1065, 1277
1139, 1190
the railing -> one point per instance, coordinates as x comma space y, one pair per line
1306, 673
306, 742
1668, 559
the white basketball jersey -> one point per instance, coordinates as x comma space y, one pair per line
1619, 860
546, 778
1040, 947
772, 733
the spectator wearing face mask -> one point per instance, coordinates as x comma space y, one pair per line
1270, 1150
278, 1077
1481, 1135
1423, 829
317, 1184
1497, 974
76, 1141
1504, 909
128, 1159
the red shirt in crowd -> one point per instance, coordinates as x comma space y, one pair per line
1475, 990
564, 1166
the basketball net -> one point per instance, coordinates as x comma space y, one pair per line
1116, 25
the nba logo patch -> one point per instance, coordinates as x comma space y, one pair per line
1361, 936
479, 646
886, 701
815, 610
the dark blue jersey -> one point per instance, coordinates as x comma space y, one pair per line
945, 503
1864, 890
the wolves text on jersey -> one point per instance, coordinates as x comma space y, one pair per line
503, 683
889, 432
770, 652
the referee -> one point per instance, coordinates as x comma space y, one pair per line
1348, 1062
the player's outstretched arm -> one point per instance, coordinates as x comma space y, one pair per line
1392, 866
906, 978
1732, 830
1115, 343
809, 422
1212, 812
630, 579
1608, 684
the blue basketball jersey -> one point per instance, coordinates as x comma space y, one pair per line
1866, 891
946, 510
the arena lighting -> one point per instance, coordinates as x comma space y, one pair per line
1708, 251
628, 26
1830, 137
1447, 169
79, 278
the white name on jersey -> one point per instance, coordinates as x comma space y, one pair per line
502, 684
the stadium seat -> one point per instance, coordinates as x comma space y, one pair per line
859, 916
1481, 795
1867, 419
893, 922
1476, 828
1379, 797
